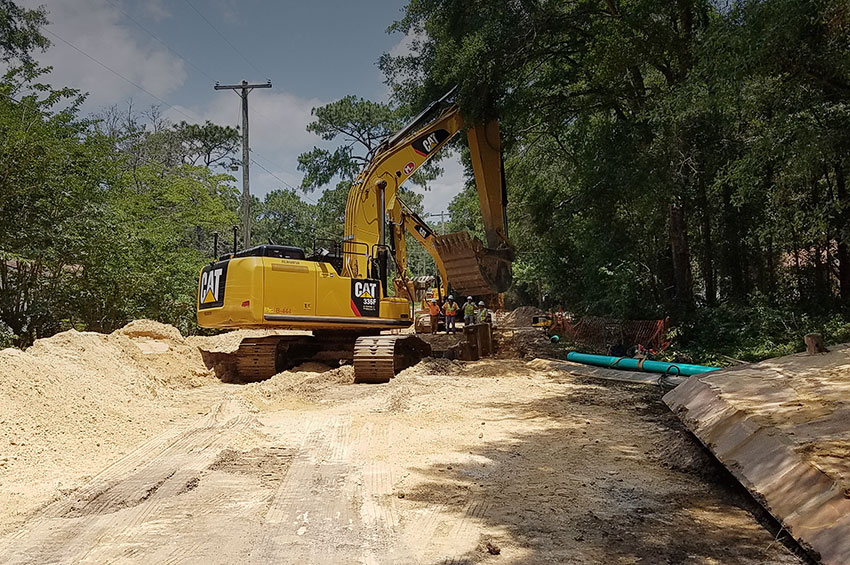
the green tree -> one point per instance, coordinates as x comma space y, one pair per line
284, 218
20, 32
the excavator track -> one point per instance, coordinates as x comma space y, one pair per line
378, 358
256, 358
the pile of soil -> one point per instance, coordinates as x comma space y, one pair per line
433, 366
521, 317
522, 343
306, 382
86, 396
228, 342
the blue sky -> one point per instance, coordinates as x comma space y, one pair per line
313, 51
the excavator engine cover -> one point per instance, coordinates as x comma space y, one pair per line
472, 268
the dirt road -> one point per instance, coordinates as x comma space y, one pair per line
485, 462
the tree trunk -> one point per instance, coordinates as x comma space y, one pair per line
681, 258
842, 227
707, 259
732, 265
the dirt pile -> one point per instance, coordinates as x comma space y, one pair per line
306, 382
89, 396
522, 343
520, 317
433, 366
228, 342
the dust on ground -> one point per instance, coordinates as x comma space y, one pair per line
474, 462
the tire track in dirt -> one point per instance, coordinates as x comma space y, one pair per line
310, 516
96, 523
336, 504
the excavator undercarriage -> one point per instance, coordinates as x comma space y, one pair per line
376, 358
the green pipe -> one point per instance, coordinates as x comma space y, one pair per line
630, 364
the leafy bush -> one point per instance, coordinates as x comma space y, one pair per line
7, 336
720, 335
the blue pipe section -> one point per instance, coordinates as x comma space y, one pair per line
629, 364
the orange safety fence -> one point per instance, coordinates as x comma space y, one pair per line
603, 333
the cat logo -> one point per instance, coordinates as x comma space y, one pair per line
365, 289
430, 142
423, 232
365, 297
427, 144
211, 291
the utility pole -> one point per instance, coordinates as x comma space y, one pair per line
244, 88
442, 221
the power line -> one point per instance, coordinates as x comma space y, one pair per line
119, 75
166, 45
224, 37
174, 51
286, 184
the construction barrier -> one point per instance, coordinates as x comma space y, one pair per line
605, 333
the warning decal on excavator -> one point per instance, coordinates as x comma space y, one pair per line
211, 292
364, 297
426, 144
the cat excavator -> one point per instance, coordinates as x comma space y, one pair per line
340, 293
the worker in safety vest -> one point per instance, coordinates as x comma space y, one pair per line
469, 312
434, 311
450, 309
482, 314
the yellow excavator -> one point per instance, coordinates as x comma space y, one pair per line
340, 293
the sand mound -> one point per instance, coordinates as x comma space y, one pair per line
151, 329
85, 395
522, 343
433, 366
228, 342
298, 384
521, 317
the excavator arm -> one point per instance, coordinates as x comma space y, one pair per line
373, 203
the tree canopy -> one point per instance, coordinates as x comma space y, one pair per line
685, 158
662, 157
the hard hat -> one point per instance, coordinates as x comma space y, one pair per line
451, 297
433, 300
469, 298
481, 303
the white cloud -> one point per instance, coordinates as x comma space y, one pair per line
95, 27
406, 45
442, 190
156, 10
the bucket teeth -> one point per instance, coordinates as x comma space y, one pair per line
470, 267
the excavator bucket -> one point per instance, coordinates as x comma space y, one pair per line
472, 268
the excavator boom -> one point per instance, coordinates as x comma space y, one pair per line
470, 266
